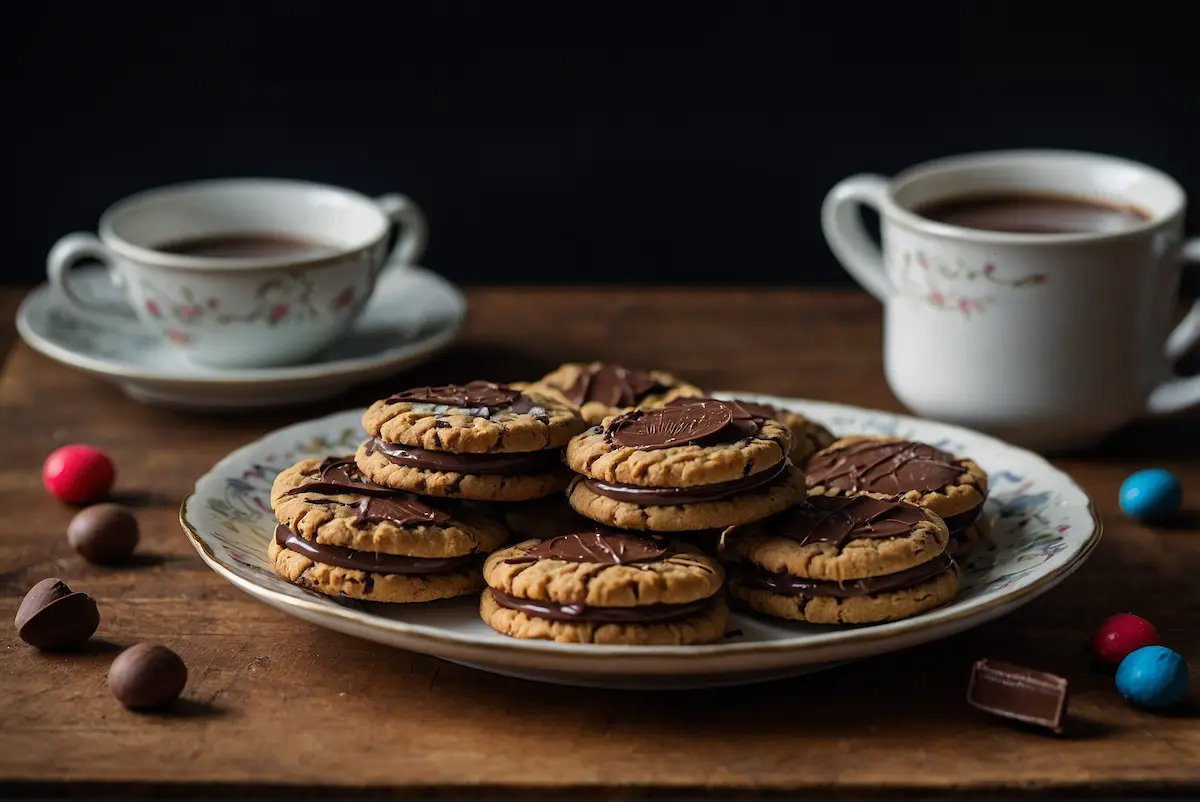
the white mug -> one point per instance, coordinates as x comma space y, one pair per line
1048, 340
249, 310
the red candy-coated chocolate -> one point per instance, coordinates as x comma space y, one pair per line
78, 474
1121, 634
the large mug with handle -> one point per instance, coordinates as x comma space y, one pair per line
239, 273
1028, 294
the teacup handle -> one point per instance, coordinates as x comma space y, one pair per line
414, 231
69, 251
1179, 392
848, 237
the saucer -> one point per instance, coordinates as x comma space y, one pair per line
413, 315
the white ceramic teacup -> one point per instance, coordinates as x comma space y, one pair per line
1049, 340
253, 309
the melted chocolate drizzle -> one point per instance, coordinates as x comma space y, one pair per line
340, 476
602, 546
366, 560
893, 468
839, 519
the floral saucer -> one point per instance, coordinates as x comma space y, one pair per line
412, 315
1043, 528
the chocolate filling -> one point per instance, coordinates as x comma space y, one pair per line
447, 462
582, 613
788, 585
667, 496
366, 560
958, 523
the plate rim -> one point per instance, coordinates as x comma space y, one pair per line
527, 649
342, 368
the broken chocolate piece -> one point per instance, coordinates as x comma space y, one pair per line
1019, 693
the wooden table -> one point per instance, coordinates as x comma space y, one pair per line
275, 702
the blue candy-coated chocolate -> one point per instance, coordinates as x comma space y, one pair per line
1151, 495
1153, 676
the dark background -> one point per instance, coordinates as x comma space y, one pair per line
576, 143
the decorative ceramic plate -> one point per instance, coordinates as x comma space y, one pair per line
412, 315
1043, 528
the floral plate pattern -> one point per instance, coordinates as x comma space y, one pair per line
1043, 528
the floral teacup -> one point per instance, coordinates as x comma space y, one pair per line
1048, 340
243, 272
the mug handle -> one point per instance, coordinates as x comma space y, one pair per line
847, 236
414, 231
68, 252
1180, 392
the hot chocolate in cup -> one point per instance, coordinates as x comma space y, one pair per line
242, 273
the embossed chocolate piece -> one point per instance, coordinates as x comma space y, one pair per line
1019, 693
612, 385
670, 426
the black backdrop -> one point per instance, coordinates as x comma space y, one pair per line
576, 142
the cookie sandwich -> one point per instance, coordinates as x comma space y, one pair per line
598, 585
342, 535
808, 436
842, 560
953, 487
692, 466
480, 441
600, 390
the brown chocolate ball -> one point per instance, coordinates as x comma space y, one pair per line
146, 676
53, 618
104, 533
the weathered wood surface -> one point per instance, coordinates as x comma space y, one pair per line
276, 702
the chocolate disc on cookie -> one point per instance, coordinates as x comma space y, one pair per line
343, 535
842, 560
600, 390
696, 464
480, 441
953, 487
600, 585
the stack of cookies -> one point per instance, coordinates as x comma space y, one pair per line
342, 535
598, 585
954, 488
694, 465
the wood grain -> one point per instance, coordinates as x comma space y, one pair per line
273, 703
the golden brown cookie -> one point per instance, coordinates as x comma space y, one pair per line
704, 442
661, 510
808, 436
953, 487
374, 585
842, 604
837, 538
600, 585
475, 418
705, 625
600, 390
330, 503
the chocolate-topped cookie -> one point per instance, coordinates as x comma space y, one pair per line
480, 441
599, 390
342, 535
600, 585
700, 465
953, 487
842, 560
808, 436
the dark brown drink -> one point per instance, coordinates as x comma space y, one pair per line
248, 245
1033, 213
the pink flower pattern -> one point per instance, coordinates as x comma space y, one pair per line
937, 283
